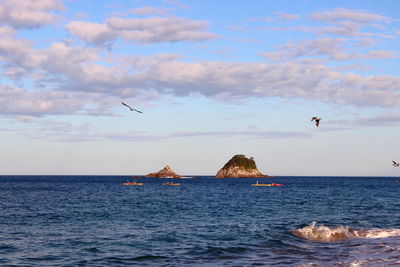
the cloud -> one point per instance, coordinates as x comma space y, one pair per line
286, 29
237, 28
72, 133
347, 22
176, 4
382, 120
330, 47
55, 130
142, 30
266, 19
17, 54
285, 80
79, 70
21, 103
28, 14
287, 16
378, 54
62, 74
21, 60
341, 22
17, 101
91, 32
248, 133
343, 14
386, 120
148, 10
343, 28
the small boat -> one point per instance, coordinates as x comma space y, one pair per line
170, 183
132, 183
272, 184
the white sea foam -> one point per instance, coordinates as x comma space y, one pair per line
308, 264
331, 234
357, 263
378, 233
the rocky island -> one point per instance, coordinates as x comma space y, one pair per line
167, 172
239, 166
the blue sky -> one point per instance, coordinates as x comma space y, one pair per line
213, 79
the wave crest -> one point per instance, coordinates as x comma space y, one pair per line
331, 234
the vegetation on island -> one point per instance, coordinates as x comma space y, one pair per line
241, 161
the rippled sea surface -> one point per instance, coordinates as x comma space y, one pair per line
96, 221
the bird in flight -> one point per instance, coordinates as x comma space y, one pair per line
395, 163
132, 109
316, 120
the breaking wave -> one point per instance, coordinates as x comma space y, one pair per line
331, 234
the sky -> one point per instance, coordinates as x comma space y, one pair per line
212, 78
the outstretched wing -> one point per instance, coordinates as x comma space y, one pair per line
317, 122
313, 118
137, 110
126, 105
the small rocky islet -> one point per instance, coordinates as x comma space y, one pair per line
167, 172
239, 166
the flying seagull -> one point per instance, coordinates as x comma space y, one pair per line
132, 109
395, 163
316, 120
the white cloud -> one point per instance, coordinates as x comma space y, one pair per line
342, 22
249, 133
80, 76
266, 19
287, 16
177, 4
379, 54
6, 31
23, 60
237, 28
18, 102
344, 14
80, 72
142, 30
69, 133
333, 48
148, 10
386, 120
95, 33
17, 53
328, 46
286, 80
28, 14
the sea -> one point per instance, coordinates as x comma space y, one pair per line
97, 221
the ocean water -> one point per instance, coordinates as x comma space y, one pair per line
96, 221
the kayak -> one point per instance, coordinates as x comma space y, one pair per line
169, 183
273, 184
132, 183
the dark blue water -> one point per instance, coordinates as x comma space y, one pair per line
96, 221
